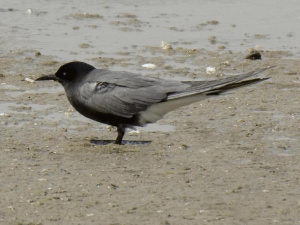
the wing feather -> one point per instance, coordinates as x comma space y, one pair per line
110, 93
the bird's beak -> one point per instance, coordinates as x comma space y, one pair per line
48, 77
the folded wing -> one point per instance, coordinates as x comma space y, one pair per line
125, 94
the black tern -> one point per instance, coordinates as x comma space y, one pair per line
125, 100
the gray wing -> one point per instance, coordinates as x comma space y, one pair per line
125, 94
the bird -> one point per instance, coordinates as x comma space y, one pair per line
126, 100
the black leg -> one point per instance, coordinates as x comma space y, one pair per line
121, 132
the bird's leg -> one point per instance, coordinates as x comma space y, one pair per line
121, 132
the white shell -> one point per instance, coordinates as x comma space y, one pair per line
29, 80
149, 66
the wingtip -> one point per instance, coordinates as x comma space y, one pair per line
266, 68
269, 67
262, 70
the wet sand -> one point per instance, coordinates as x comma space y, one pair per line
229, 160
233, 159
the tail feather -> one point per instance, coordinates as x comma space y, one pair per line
229, 87
198, 87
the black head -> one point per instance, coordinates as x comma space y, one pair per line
69, 72
73, 70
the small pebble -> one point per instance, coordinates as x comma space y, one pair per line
212, 40
164, 45
4, 115
29, 11
210, 70
134, 132
225, 63
108, 127
253, 55
221, 47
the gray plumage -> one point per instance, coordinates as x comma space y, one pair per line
125, 99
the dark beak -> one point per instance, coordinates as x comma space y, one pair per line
48, 77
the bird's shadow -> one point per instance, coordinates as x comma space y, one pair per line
124, 142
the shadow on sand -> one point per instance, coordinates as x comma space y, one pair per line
124, 142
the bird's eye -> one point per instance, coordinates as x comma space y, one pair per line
64, 73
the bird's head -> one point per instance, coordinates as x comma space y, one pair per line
69, 72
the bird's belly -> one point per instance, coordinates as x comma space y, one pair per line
106, 118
